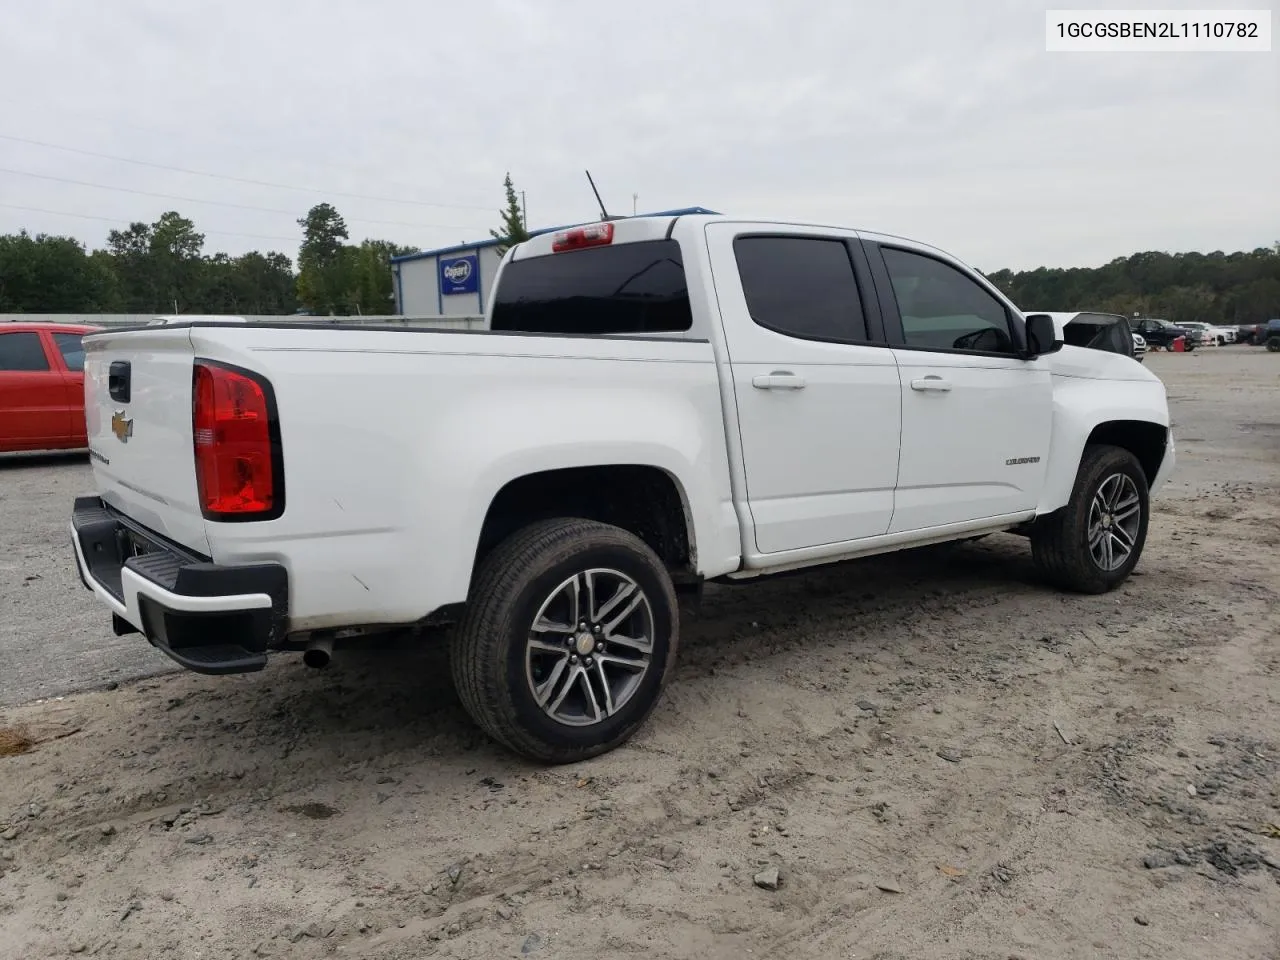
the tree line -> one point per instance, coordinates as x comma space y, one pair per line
162, 267
1219, 288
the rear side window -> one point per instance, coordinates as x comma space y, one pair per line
22, 351
628, 288
71, 346
801, 286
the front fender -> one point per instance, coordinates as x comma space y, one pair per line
1080, 406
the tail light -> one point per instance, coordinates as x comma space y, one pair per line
595, 235
239, 467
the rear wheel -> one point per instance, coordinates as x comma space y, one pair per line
568, 637
1093, 543
1273, 344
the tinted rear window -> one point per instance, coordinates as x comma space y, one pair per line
628, 288
801, 286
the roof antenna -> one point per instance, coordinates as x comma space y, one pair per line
604, 214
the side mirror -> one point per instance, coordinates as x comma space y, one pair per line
1042, 338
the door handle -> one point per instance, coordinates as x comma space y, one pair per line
778, 380
932, 384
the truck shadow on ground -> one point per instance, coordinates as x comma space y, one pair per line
390, 714
45, 458
402, 696
729, 622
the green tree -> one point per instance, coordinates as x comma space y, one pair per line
373, 289
1214, 287
324, 266
129, 251
265, 284
177, 264
513, 230
253, 284
50, 274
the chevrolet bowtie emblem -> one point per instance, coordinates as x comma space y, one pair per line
122, 426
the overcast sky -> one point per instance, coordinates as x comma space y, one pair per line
946, 121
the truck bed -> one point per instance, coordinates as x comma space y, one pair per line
392, 439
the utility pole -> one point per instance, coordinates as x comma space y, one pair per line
634, 198
524, 211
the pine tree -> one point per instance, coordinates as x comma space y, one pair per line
514, 229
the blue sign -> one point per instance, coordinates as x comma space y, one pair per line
460, 275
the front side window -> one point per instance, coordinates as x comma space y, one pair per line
22, 352
943, 309
71, 346
801, 286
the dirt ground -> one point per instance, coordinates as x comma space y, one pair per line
940, 757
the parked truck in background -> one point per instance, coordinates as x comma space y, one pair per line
657, 403
1162, 334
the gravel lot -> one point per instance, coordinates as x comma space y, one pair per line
940, 758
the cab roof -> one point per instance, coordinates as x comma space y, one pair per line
27, 326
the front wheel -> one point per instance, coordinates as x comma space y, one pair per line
1273, 344
567, 640
1093, 543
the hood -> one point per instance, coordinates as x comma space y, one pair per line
1097, 365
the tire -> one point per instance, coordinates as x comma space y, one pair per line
500, 674
1061, 541
1273, 344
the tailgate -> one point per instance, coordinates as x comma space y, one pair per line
140, 439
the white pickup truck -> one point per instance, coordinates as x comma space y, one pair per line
658, 402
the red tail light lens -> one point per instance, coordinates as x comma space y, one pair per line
237, 444
595, 235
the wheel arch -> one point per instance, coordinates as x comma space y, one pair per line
1145, 440
1148, 439
643, 499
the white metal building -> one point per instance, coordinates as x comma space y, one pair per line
457, 281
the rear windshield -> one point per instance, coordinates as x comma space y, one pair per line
628, 288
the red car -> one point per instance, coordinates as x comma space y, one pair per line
42, 386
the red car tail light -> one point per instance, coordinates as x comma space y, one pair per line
239, 465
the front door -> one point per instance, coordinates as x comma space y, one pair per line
976, 417
33, 407
818, 401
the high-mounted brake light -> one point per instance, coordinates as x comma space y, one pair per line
239, 468
595, 235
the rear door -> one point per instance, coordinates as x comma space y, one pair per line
33, 408
818, 399
69, 350
976, 417
137, 388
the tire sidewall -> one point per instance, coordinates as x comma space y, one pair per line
1115, 461
651, 578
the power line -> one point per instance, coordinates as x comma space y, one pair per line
169, 132
117, 220
223, 203
222, 176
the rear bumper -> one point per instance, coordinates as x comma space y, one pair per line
209, 618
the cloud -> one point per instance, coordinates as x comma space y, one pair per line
946, 122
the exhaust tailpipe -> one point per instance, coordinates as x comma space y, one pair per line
319, 652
